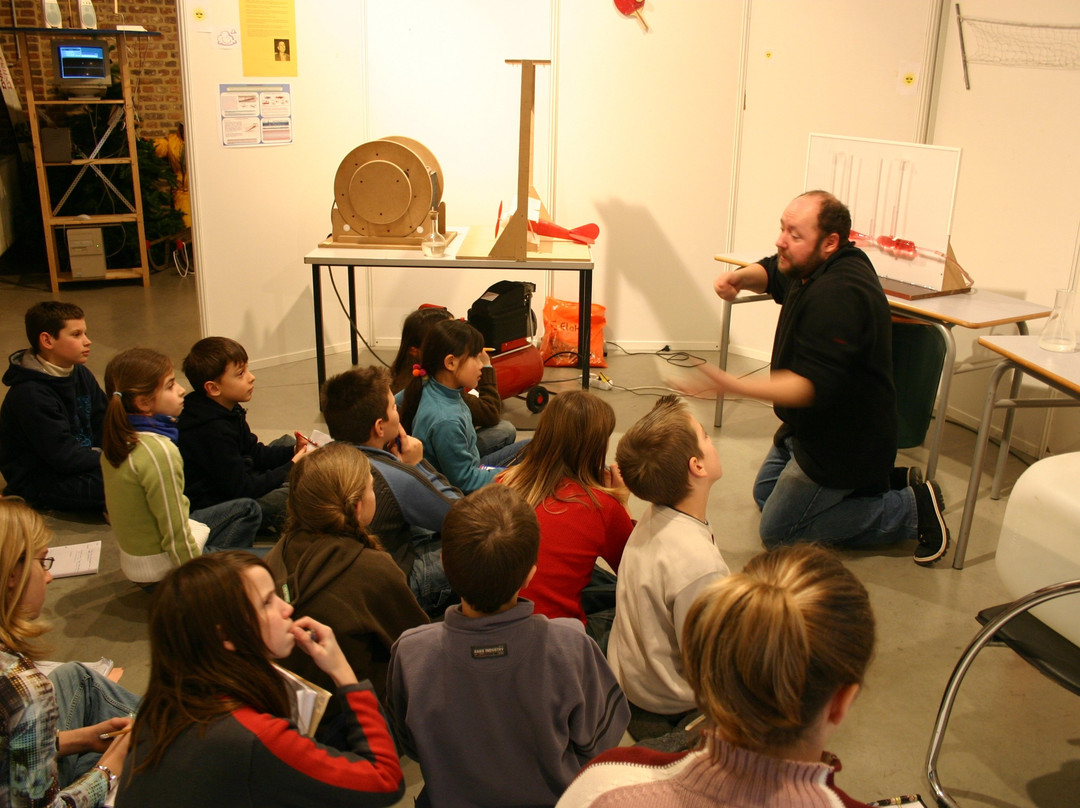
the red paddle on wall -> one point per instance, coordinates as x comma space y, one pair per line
632, 7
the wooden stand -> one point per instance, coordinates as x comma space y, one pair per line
512, 243
954, 282
52, 221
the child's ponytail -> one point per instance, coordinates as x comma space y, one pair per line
325, 488
413, 330
131, 373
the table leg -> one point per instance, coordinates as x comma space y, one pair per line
976, 463
352, 316
725, 342
320, 349
585, 324
1007, 428
1006, 437
944, 386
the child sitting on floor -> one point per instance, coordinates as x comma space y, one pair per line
54, 746
667, 460
581, 505
50, 421
500, 706
214, 727
223, 459
411, 497
776, 655
433, 412
484, 402
144, 475
331, 569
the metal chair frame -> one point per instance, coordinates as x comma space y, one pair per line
985, 636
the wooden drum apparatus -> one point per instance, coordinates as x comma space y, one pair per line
383, 193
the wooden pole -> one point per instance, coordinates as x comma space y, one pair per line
512, 243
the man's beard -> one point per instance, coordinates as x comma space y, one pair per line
807, 268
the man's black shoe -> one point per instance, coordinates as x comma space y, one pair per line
933, 532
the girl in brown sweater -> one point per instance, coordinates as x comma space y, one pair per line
331, 569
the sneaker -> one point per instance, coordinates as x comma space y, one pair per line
933, 532
902, 477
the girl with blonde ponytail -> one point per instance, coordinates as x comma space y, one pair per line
775, 656
330, 568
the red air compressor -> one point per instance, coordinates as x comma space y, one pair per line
503, 314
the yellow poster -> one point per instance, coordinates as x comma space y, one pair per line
268, 37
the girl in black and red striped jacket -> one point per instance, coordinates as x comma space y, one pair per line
213, 726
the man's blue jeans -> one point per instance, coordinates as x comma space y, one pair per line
84, 698
794, 508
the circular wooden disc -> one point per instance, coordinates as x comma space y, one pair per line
380, 192
424, 153
354, 198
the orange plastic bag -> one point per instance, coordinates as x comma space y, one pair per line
560, 341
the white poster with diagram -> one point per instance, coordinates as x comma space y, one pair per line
255, 114
900, 196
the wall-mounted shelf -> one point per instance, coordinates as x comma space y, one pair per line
52, 221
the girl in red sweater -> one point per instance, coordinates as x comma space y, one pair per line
581, 504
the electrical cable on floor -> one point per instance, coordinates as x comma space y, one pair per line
560, 353
182, 249
682, 359
669, 390
352, 323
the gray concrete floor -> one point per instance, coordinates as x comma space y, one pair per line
1013, 740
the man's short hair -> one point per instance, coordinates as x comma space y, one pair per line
353, 401
209, 358
654, 454
490, 541
49, 317
834, 217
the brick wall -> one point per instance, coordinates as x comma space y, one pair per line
154, 62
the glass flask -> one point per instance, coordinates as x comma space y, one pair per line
434, 243
1059, 333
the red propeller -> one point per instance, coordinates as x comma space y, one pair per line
585, 234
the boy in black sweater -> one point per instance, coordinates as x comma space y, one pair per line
223, 459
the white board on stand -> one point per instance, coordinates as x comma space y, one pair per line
900, 196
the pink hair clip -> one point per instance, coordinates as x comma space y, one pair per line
418, 371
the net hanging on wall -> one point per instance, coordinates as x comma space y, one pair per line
1017, 44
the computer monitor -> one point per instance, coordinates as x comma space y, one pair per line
81, 67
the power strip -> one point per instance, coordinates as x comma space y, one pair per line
601, 382
130, 28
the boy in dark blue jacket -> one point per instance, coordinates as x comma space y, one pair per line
50, 421
223, 459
